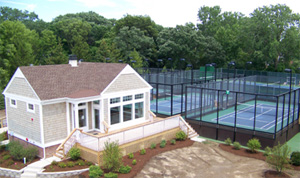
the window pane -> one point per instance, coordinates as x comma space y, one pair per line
82, 117
127, 112
13, 102
139, 110
30, 106
114, 115
114, 100
96, 102
139, 96
81, 104
127, 98
97, 118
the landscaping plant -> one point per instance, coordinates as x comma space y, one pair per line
95, 171
110, 175
268, 151
18, 152
143, 151
134, 162
173, 142
253, 144
124, 169
236, 145
74, 153
279, 157
62, 165
153, 145
112, 157
70, 164
181, 135
295, 158
228, 142
163, 143
130, 155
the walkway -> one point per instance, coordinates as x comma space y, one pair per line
32, 169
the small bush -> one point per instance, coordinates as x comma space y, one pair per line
95, 171
279, 157
153, 145
130, 155
124, 169
181, 135
268, 151
228, 142
16, 150
88, 163
173, 142
30, 153
134, 162
162, 144
80, 163
62, 165
112, 157
253, 144
3, 136
111, 175
6, 157
74, 153
70, 164
54, 163
143, 151
10, 162
236, 145
295, 158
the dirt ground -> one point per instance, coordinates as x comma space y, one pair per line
204, 160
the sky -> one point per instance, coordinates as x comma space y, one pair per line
167, 13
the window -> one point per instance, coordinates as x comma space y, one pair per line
139, 110
139, 96
127, 98
13, 103
81, 104
114, 115
127, 112
114, 100
96, 102
30, 107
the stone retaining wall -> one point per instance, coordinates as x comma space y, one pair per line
10, 172
61, 174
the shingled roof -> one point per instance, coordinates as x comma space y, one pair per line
59, 81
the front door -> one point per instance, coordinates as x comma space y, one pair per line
82, 119
97, 118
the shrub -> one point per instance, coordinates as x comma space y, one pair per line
143, 151
54, 163
70, 164
110, 175
130, 155
162, 144
124, 169
30, 153
134, 162
74, 153
10, 162
6, 157
279, 157
295, 158
2, 147
153, 145
62, 165
112, 157
80, 163
268, 151
16, 150
95, 171
228, 142
3, 136
181, 135
236, 145
253, 144
89, 163
173, 142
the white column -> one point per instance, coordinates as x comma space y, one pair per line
76, 116
68, 117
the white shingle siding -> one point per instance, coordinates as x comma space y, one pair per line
20, 87
19, 121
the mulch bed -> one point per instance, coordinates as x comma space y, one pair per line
12, 164
143, 159
257, 155
56, 168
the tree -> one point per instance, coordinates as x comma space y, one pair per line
279, 157
112, 157
135, 56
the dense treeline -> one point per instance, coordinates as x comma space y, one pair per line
269, 38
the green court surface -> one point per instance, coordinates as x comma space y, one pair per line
294, 143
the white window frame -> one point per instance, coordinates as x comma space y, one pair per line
30, 110
11, 105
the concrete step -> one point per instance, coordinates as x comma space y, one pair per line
193, 135
28, 175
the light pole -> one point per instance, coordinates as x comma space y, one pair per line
192, 73
120, 61
290, 93
170, 62
205, 71
246, 67
107, 59
182, 59
215, 68
159, 61
232, 63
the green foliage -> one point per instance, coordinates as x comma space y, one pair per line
111, 175
163, 143
268, 151
6, 157
253, 144
153, 145
236, 145
95, 171
70, 164
173, 141
295, 158
228, 142
279, 157
10, 162
112, 156
181, 135
74, 153
30, 153
62, 165
130, 155
143, 151
124, 169
80, 163
134, 162
89, 163
18, 152
54, 163
3, 136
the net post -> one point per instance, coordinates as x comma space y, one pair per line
276, 116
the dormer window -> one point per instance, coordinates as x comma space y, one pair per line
30, 107
13, 103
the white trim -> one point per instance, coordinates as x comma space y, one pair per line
57, 142
22, 98
34, 142
28, 109
42, 125
11, 105
68, 118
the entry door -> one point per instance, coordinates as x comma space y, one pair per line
82, 119
97, 118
